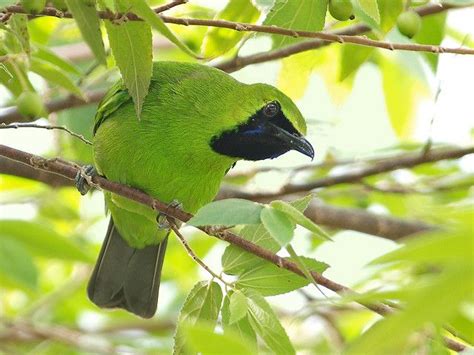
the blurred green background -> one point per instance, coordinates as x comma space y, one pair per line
360, 103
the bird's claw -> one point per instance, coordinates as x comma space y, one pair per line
84, 177
162, 219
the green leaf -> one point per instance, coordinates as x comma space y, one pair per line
41, 240
437, 247
459, 36
352, 57
141, 8
463, 325
242, 328
131, 44
87, 19
47, 55
389, 11
427, 304
14, 77
278, 225
432, 32
370, 7
16, 264
400, 85
295, 73
219, 40
54, 75
227, 212
202, 339
238, 306
267, 325
299, 218
269, 279
5, 3
235, 260
18, 24
202, 304
302, 203
303, 15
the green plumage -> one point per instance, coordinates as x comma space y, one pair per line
167, 154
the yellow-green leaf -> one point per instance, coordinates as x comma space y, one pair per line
304, 15
141, 8
402, 92
278, 225
131, 44
202, 304
53, 74
219, 40
299, 218
370, 7
87, 19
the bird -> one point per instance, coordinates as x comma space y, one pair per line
196, 123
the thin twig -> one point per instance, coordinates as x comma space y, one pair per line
33, 125
70, 172
193, 255
169, 5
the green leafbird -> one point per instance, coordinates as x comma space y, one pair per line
196, 123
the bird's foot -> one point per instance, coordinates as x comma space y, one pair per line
84, 178
163, 220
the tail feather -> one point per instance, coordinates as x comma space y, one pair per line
125, 277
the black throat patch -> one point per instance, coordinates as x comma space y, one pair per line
255, 139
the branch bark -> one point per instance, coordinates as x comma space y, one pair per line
70, 172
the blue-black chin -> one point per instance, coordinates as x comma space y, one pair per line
261, 138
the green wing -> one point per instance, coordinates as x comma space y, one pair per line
115, 97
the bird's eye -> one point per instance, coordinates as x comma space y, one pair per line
271, 109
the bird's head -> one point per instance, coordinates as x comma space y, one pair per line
264, 124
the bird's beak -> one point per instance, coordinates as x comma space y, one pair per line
292, 141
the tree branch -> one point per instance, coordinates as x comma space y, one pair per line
247, 27
11, 114
405, 161
237, 63
321, 213
22, 330
70, 172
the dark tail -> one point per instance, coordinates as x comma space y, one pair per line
126, 277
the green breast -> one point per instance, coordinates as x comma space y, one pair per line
160, 154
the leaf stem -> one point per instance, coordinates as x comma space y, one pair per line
193, 255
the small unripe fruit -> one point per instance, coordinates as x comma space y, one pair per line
341, 9
409, 23
33, 6
30, 104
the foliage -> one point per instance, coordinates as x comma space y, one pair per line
49, 236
